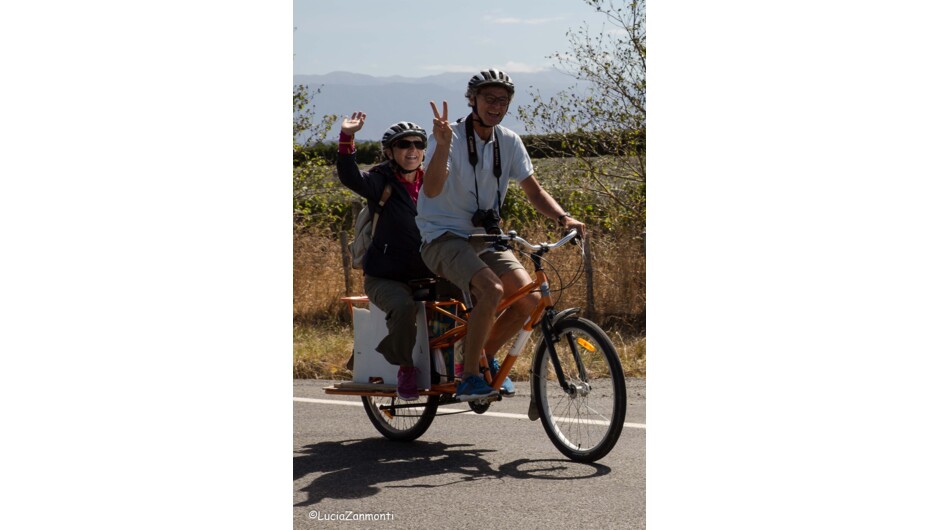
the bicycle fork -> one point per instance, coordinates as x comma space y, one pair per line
551, 338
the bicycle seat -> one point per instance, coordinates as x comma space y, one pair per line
424, 289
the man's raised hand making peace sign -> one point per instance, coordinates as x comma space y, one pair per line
437, 173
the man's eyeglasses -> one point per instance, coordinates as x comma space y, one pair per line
406, 144
493, 100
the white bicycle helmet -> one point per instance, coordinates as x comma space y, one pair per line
489, 78
400, 129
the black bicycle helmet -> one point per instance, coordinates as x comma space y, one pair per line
400, 129
489, 78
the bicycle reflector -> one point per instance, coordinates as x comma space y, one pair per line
587, 345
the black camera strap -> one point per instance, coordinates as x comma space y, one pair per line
497, 165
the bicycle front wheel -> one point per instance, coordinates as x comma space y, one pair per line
584, 421
398, 420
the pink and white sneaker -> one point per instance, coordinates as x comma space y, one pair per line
407, 383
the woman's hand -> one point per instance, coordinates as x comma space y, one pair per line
353, 123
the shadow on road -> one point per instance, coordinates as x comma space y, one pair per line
354, 469
552, 469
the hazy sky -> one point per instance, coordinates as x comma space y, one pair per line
416, 38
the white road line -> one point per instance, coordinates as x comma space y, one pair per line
330, 401
526, 417
445, 409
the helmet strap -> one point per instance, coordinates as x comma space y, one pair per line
398, 169
475, 116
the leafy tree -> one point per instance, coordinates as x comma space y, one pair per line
318, 197
304, 125
604, 127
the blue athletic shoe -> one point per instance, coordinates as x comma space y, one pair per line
474, 387
508, 389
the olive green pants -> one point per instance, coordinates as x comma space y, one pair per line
395, 299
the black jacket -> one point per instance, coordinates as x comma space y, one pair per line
394, 253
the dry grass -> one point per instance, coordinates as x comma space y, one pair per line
319, 281
321, 350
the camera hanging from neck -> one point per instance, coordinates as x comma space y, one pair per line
497, 166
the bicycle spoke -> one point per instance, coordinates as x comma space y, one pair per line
401, 421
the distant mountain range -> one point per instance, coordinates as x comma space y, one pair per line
388, 100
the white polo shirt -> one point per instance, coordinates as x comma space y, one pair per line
453, 208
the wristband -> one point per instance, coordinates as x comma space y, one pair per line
562, 216
347, 144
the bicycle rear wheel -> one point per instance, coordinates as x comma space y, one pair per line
585, 421
398, 420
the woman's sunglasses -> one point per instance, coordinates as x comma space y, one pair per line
406, 144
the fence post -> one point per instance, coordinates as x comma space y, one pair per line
344, 250
589, 275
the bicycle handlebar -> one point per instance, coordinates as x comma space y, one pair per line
513, 236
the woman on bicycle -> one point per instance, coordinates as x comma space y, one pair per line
393, 259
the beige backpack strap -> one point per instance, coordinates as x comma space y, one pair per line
386, 193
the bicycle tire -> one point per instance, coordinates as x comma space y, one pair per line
403, 425
586, 423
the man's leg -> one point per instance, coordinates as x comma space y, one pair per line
452, 257
488, 291
512, 319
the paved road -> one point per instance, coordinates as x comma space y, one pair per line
463, 467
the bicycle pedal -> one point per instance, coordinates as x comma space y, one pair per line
479, 401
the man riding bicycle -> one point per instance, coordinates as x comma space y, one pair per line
470, 165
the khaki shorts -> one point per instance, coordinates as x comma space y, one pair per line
454, 258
